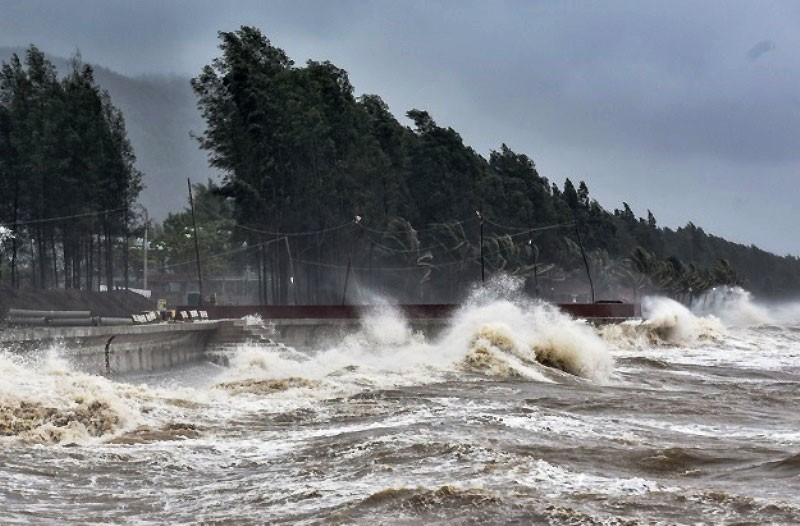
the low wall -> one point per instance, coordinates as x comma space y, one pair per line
124, 349
589, 311
120, 349
311, 332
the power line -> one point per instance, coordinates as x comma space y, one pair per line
222, 254
406, 268
61, 218
380, 269
281, 234
431, 227
418, 250
522, 231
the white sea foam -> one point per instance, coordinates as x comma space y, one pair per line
520, 336
666, 322
566, 425
555, 480
734, 306
778, 436
45, 401
677, 324
490, 336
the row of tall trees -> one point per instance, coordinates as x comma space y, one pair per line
325, 196
67, 176
333, 193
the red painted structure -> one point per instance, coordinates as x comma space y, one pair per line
433, 311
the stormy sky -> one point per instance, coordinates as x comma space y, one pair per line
690, 109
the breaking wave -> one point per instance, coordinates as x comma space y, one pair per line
708, 321
666, 323
506, 338
489, 336
733, 306
43, 400
48, 402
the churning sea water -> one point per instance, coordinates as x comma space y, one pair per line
515, 414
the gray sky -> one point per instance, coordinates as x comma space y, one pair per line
690, 109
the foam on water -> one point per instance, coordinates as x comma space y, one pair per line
711, 321
280, 436
727, 328
385, 352
666, 323
555, 480
518, 338
677, 324
734, 306
489, 336
46, 401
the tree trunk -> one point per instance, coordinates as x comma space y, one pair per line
42, 252
66, 254
126, 249
55, 257
109, 257
15, 233
260, 264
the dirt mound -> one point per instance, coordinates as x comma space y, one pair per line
114, 303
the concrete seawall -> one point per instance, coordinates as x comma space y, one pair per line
309, 332
124, 349
121, 349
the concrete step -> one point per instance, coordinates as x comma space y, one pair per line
237, 332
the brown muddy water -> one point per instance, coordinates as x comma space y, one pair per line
516, 415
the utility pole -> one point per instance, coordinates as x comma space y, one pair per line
585, 260
357, 222
144, 250
127, 247
196, 245
483, 267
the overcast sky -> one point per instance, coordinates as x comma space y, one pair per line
690, 109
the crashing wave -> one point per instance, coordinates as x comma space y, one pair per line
511, 338
49, 403
734, 306
496, 333
45, 401
666, 323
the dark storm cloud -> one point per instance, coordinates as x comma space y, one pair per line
650, 102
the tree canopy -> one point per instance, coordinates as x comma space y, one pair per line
67, 174
355, 192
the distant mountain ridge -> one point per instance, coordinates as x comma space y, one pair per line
160, 113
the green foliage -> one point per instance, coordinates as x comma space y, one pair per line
64, 153
302, 155
174, 243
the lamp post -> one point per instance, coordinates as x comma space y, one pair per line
357, 222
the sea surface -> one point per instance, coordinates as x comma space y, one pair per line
515, 414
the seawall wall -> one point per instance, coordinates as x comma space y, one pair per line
117, 349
